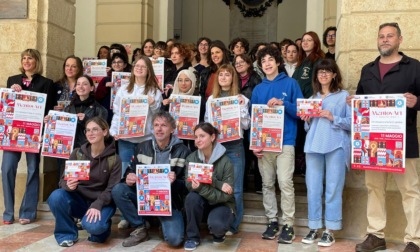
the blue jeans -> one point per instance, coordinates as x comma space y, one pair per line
66, 206
236, 154
29, 203
333, 165
126, 150
125, 198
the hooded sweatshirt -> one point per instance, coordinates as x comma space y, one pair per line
287, 90
97, 190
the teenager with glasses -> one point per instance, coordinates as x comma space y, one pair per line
328, 39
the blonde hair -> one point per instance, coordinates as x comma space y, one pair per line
234, 88
151, 80
37, 56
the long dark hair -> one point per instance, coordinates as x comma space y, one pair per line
91, 94
79, 64
219, 44
329, 65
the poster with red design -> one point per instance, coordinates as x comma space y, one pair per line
133, 116
185, 109
154, 190
201, 172
79, 169
96, 69
59, 134
225, 115
119, 79
378, 132
267, 128
21, 119
159, 70
309, 107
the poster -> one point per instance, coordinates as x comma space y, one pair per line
378, 132
59, 134
79, 169
185, 110
309, 107
21, 119
96, 69
225, 115
203, 173
154, 190
119, 79
133, 116
267, 128
159, 70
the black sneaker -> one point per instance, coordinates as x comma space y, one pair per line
327, 239
272, 231
311, 237
219, 240
287, 235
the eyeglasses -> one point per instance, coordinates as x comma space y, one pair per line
203, 45
93, 130
331, 36
240, 63
140, 67
117, 62
324, 72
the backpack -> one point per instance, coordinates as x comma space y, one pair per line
110, 159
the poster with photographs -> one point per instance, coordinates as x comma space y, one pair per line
378, 132
159, 70
21, 119
119, 79
59, 134
96, 69
267, 128
185, 109
78, 169
225, 115
202, 173
154, 190
133, 116
309, 107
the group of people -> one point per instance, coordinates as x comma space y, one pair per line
275, 74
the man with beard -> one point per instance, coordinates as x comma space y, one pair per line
391, 73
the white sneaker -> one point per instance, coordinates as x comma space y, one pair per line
123, 224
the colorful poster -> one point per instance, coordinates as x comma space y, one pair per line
133, 116
79, 169
225, 115
159, 70
21, 119
62, 104
185, 109
119, 79
203, 173
378, 132
96, 69
154, 190
309, 107
59, 134
267, 128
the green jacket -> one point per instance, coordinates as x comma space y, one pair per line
303, 75
222, 173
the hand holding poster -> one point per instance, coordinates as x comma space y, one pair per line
225, 115
133, 116
59, 134
21, 119
185, 110
154, 190
118, 79
201, 172
267, 128
378, 132
158, 68
78, 169
309, 107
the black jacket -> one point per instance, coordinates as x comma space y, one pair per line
246, 90
402, 78
39, 84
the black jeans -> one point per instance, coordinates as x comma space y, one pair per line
219, 219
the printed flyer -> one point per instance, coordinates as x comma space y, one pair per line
59, 134
267, 128
201, 172
96, 69
133, 116
21, 119
159, 70
154, 190
309, 107
79, 169
378, 132
185, 109
225, 115
119, 79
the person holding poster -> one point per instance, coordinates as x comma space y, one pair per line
142, 82
30, 79
214, 199
327, 149
277, 89
163, 148
89, 200
226, 85
393, 73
